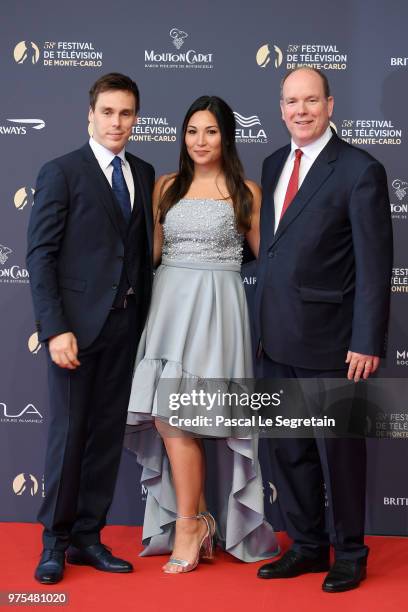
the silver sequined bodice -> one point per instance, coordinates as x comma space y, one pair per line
202, 231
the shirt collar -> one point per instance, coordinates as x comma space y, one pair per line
104, 155
313, 149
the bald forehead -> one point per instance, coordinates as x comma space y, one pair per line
302, 79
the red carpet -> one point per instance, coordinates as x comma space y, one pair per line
225, 585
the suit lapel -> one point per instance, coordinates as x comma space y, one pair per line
141, 190
321, 169
104, 191
270, 181
275, 171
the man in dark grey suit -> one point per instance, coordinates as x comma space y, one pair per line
322, 307
90, 264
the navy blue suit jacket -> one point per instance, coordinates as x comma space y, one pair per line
76, 244
323, 282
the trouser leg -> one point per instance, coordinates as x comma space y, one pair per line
106, 425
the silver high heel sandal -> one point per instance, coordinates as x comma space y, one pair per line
205, 544
205, 552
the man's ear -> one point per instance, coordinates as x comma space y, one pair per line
330, 103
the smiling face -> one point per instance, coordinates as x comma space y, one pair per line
305, 108
112, 118
203, 138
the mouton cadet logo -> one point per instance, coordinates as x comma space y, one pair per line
184, 59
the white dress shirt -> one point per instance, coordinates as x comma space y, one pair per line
310, 153
105, 157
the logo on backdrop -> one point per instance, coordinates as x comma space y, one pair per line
25, 485
268, 53
153, 129
399, 209
26, 50
59, 53
399, 280
174, 61
34, 345
399, 61
178, 37
401, 357
371, 132
4, 253
14, 274
395, 424
273, 494
400, 188
249, 129
334, 126
28, 414
320, 56
24, 197
395, 501
21, 127
35, 124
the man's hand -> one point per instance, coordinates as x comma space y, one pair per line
64, 350
361, 365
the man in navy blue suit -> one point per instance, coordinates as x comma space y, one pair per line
322, 306
90, 264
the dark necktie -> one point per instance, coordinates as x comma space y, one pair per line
293, 185
120, 189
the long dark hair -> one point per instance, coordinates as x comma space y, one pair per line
240, 194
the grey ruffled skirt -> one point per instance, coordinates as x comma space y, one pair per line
196, 335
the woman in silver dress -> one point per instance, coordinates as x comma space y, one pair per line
198, 331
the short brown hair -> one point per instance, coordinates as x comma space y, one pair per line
326, 86
112, 81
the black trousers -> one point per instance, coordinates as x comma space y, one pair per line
88, 409
307, 470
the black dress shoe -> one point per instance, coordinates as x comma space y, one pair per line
345, 574
50, 569
99, 557
294, 564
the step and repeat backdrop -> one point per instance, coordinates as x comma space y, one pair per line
51, 53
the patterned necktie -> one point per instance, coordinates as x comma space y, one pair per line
293, 184
120, 189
